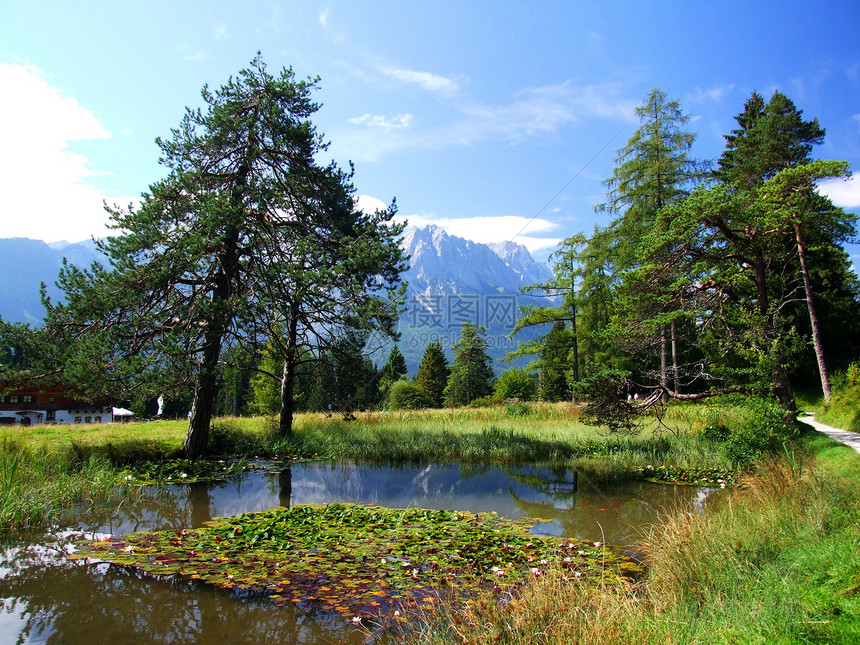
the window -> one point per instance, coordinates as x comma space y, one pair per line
98, 419
13, 398
77, 419
2, 398
27, 398
88, 420
51, 400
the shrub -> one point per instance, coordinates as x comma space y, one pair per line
406, 394
515, 408
515, 384
758, 427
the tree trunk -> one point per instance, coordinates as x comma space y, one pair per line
664, 359
285, 424
675, 384
204, 397
784, 393
575, 352
813, 314
288, 378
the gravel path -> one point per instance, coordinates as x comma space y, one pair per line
848, 438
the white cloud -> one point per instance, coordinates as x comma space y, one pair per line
425, 80
195, 56
386, 123
843, 193
710, 94
370, 204
324, 17
220, 32
46, 193
532, 111
522, 230
856, 118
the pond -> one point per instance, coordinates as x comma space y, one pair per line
46, 599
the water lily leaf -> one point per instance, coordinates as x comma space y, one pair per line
359, 560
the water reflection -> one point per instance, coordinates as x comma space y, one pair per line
46, 599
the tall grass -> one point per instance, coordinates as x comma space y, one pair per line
778, 563
548, 434
37, 486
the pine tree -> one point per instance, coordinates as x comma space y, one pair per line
206, 261
772, 138
472, 372
433, 374
394, 368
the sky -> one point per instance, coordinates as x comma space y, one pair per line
494, 119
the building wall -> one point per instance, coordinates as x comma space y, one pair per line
52, 406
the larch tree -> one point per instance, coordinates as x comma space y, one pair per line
653, 170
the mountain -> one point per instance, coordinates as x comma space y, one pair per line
453, 280
520, 260
25, 264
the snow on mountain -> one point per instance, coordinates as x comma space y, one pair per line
520, 260
445, 264
453, 280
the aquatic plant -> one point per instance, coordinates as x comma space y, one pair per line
364, 561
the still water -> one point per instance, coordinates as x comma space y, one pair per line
46, 599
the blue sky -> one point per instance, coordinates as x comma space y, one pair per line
494, 119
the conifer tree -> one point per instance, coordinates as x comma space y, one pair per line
394, 368
472, 372
208, 256
433, 374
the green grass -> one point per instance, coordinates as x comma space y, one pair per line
778, 563
84, 462
37, 486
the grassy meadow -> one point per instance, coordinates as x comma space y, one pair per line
45, 469
778, 563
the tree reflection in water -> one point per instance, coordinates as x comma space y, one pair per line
48, 599
45, 598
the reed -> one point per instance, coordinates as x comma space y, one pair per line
37, 486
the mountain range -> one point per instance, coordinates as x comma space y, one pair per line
451, 281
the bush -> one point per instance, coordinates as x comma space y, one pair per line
516, 408
758, 427
406, 394
515, 384
485, 402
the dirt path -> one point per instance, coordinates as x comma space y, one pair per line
851, 439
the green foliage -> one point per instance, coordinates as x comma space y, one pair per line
406, 394
515, 384
608, 405
393, 370
517, 409
358, 560
433, 374
344, 378
472, 372
843, 409
749, 429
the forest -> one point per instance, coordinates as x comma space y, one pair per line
248, 283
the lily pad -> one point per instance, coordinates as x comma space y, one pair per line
360, 560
